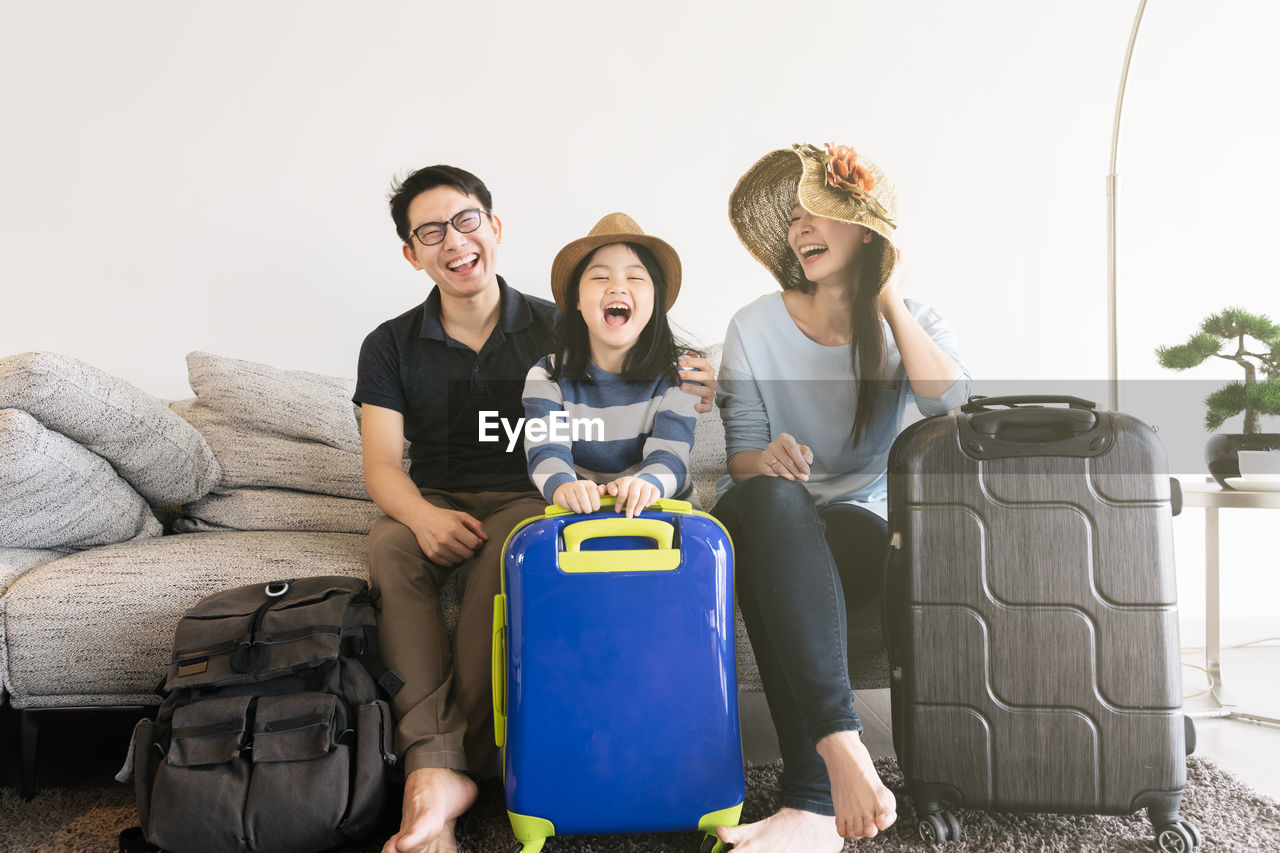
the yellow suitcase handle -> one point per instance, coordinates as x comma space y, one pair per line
500, 669
576, 561
663, 532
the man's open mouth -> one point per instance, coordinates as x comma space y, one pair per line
617, 314
464, 264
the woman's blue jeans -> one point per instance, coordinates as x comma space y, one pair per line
795, 566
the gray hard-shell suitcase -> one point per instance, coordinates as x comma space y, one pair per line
1031, 616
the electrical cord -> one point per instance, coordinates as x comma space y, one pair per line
1209, 677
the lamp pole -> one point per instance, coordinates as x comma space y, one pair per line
1113, 304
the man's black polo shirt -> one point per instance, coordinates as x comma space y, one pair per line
411, 365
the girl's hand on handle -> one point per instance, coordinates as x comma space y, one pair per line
787, 458
699, 371
633, 494
581, 496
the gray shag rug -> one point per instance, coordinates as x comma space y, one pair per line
1230, 816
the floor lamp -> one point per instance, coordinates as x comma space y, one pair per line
1113, 305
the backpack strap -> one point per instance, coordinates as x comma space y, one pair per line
366, 652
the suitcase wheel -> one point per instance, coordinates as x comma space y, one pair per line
1180, 837
938, 827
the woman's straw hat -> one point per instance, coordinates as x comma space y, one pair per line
838, 184
614, 228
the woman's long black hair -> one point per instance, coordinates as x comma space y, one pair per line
867, 348
654, 353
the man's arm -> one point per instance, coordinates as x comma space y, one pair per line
695, 369
446, 536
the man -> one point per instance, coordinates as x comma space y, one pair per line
427, 376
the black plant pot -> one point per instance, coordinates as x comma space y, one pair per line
1220, 452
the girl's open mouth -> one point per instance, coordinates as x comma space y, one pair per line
616, 314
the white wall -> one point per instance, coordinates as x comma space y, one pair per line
182, 176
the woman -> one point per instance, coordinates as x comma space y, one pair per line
812, 389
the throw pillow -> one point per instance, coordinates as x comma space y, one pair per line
56, 493
275, 428
157, 452
270, 400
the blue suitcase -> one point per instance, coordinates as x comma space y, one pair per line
615, 685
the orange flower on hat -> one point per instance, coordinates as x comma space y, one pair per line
844, 173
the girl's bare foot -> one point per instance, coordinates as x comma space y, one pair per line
434, 798
864, 806
787, 831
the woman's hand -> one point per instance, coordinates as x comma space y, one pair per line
633, 494
579, 496
787, 458
891, 294
929, 369
699, 371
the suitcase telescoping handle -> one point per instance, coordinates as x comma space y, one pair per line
1027, 427
978, 403
664, 558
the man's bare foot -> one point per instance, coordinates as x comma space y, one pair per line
786, 831
434, 798
864, 806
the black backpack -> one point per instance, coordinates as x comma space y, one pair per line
271, 735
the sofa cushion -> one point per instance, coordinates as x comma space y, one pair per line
276, 428
13, 563
96, 627
56, 493
706, 461
16, 561
277, 509
158, 453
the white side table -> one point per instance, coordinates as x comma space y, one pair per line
1212, 497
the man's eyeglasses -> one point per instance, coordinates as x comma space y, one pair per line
464, 222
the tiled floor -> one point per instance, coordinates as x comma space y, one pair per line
1250, 750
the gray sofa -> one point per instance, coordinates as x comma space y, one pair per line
257, 477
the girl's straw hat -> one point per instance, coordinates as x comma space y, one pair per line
838, 184
614, 228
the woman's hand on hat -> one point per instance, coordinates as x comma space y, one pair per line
891, 293
579, 496
633, 494
786, 458
699, 379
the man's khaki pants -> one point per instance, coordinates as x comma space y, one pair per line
444, 712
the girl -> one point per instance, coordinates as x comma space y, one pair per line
812, 390
613, 373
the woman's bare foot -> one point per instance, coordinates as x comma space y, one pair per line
864, 806
434, 798
786, 831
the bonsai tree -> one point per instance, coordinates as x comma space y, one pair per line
1255, 397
